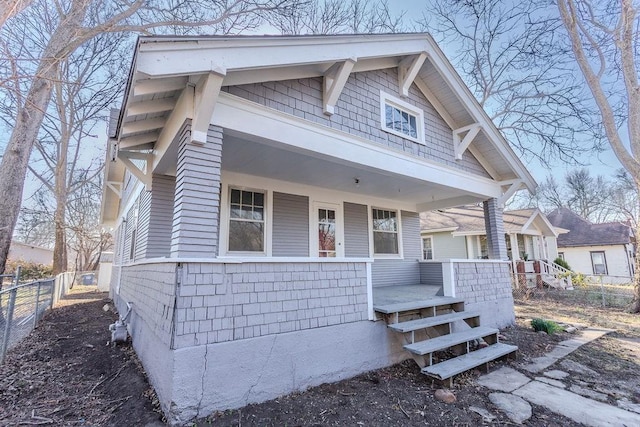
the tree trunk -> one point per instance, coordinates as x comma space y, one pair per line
635, 305
13, 168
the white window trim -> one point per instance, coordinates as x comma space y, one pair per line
386, 98
593, 264
433, 252
225, 217
372, 253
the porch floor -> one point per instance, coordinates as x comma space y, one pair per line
385, 295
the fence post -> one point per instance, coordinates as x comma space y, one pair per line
35, 314
604, 304
7, 327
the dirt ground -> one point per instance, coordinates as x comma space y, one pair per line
67, 373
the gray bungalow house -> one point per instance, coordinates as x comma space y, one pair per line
264, 195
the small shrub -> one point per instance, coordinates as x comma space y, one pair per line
580, 280
562, 263
30, 270
548, 326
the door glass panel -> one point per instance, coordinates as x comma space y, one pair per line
326, 233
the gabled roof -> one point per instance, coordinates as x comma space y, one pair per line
169, 71
469, 220
584, 233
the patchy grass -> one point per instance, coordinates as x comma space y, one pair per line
626, 324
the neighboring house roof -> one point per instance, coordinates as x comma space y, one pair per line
584, 233
168, 71
469, 220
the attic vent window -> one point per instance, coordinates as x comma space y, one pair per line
401, 118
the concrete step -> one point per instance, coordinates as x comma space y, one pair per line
457, 365
428, 322
450, 340
417, 305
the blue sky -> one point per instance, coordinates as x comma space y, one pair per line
599, 163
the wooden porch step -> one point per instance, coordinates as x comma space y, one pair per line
428, 322
417, 305
455, 366
445, 341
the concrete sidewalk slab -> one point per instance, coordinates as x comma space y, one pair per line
576, 407
504, 379
564, 348
516, 408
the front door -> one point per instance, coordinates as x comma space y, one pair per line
327, 232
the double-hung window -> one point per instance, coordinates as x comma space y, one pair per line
385, 231
427, 248
599, 263
401, 118
246, 221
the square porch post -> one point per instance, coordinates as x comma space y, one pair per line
494, 226
196, 208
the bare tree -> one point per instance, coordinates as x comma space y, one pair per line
589, 196
9, 8
75, 22
334, 17
511, 57
604, 42
625, 198
87, 239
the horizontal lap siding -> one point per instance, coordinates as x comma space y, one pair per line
143, 224
290, 225
446, 246
356, 230
406, 271
431, 273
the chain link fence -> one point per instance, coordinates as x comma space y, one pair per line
588, 290
22, 305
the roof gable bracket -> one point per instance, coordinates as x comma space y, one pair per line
204, 101
143, 176
408, 70
334, 80
512, 186
460, 144
116, 187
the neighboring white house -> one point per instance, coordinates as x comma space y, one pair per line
19, 251
460, 233
264, 192
604, 249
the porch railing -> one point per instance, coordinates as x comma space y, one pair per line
539, 274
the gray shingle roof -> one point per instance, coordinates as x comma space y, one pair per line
583, 233
470, 219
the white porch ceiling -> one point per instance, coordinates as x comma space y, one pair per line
269, 159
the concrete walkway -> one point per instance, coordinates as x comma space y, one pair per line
514, 391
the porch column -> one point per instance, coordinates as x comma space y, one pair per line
196, 205
515, 250
495, 229
160, 216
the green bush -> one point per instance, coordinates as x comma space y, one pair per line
548, 326
562, 263
30, 270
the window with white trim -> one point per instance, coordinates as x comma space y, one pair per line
385, 231
599, 262
246, 221
401, 118
427, 247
